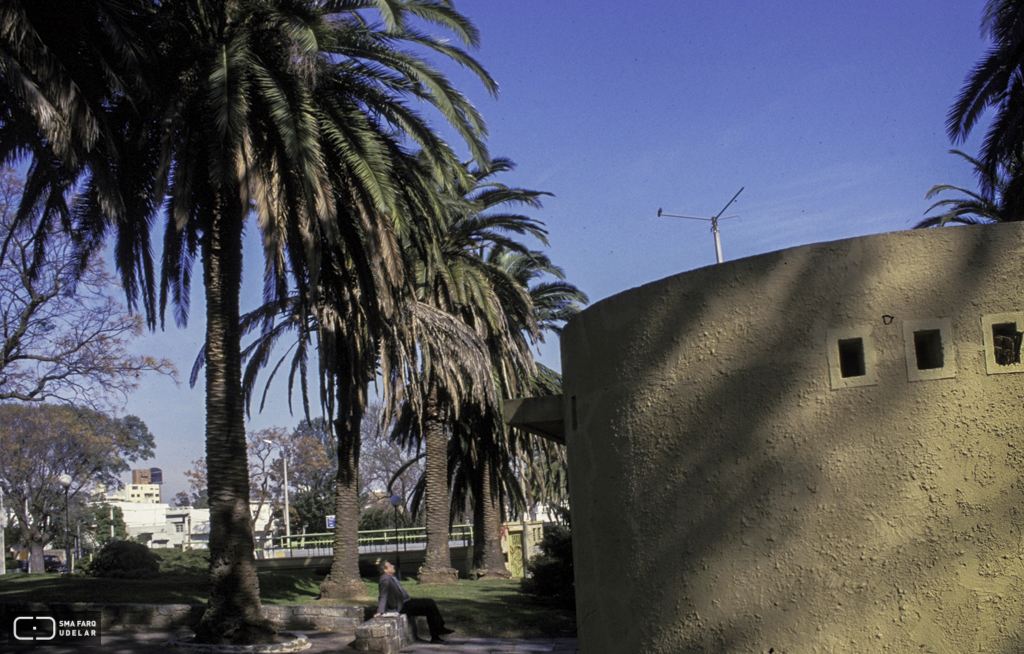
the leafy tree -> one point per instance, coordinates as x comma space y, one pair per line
261, 473
197, 496
64, 336
311, 456
386, 469
181, 498
98, 515
41, 442
310, 508
266, 473
312, 472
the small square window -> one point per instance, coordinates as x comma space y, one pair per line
1001, 333
929, 349
1006, 343
851, 357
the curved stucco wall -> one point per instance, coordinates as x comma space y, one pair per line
733, 492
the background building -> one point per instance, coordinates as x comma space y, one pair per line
159, 525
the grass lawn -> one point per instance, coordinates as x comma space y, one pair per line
474, 608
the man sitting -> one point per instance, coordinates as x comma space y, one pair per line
394, 598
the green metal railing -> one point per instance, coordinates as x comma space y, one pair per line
377, 540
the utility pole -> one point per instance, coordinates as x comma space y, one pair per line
287, 511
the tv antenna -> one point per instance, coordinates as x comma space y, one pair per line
713, 221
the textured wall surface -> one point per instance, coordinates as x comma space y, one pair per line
732, 492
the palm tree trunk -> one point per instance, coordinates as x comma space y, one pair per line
343, 581
437, 560
233, 613
488, 560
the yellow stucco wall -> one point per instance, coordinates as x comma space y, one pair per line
732, 493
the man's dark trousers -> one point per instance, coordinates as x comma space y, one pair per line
426, 607
393, 596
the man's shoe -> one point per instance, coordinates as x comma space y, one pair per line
446, 630
437, 640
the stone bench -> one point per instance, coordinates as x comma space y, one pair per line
387, 634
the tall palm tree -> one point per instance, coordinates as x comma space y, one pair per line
1003, 204
997, 81
483, 454
286, 108
353, 283
453, 276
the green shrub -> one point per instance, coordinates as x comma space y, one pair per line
373, 518
552, 571
125, 559
369, 570
191, 562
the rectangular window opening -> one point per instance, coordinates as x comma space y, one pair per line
928, 347
851, 357
1006, 341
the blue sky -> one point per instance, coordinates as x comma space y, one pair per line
831, 115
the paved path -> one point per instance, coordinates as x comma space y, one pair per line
497, 646
323, 642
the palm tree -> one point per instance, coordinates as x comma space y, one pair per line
997, 81
483, 454
352, 283
453, 276
1003, 204
71, 70
287, 109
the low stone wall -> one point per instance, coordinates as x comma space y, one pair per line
170, 616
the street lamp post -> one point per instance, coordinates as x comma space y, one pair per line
287, 516
65, 481
395, 501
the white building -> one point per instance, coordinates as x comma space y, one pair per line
162, 526
137, 493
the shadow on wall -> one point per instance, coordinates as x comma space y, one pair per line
727, 499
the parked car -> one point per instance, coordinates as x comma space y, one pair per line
52, 563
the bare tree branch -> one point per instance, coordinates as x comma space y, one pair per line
64, 337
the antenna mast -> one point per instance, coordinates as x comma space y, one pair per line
713, 221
